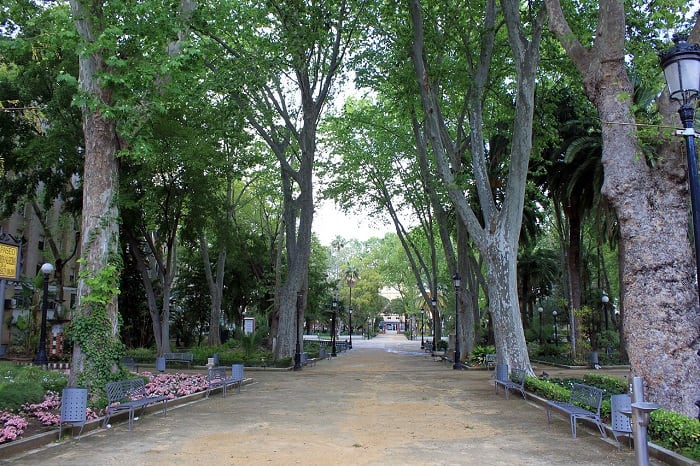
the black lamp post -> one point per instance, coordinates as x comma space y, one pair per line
681, 66
297, 353
556, 333
539, 311
433, 302
422, 315
351, 283
335, 309
458, 357
41, 359
605, 299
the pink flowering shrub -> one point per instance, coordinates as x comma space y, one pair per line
11, 426
47, 413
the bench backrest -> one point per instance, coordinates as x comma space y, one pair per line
490, 360
217, 374
502, 372
587, 396
125, 390
180, 356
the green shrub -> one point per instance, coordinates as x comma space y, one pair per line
442, 345
142, 355
675, 432
14, 395
479, 353
611, 385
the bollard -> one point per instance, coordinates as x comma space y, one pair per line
640, 421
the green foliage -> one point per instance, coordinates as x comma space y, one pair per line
547, 389
442, 345
14, 395
49, 380
250, 343
479, 353
611, 385
92, 329
142, 355
675, 432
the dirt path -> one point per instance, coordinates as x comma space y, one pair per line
383, 403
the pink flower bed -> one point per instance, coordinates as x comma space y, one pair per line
47, 413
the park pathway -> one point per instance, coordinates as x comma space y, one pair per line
385, 402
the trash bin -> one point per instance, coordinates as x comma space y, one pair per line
160, 363
73, 408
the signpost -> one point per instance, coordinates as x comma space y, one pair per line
10, 264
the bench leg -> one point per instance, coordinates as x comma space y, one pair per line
573, 426
549, 415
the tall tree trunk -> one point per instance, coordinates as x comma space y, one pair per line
661, 318
100, 228
497, 240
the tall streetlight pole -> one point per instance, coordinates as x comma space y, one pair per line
297, 353
458, 357
422, 314
350, 325
351, 283
41, 359
681, 66
605, 299
539, 311
433, 302
556, 334
334, 353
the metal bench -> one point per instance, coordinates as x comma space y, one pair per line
218, 379
490, 361
584, 403
620, 422
128, 395
514, 381
184, 358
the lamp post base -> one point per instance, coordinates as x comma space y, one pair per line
458, 361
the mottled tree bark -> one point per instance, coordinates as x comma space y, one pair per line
660, 319
100, 228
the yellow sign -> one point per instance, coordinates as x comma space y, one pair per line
9, 258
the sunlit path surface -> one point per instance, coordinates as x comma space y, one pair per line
385, 402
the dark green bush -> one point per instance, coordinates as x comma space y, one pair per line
479, 353
14, 395
442, 345
675, 432
611, 385
142, 355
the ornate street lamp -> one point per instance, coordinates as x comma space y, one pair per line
556, 334
297, 353
351, 283
681, 66
350, 325
335, 309
605, 299
41, 359
539, 311
422, 315
458, 357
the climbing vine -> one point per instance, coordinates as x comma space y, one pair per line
95, 328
